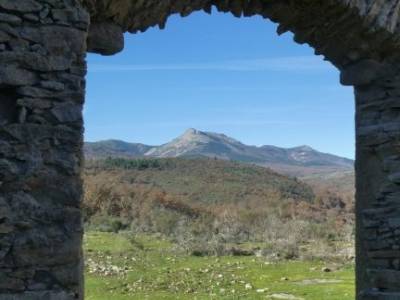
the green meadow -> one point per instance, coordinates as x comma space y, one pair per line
121, 266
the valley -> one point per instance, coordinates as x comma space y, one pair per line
205, 216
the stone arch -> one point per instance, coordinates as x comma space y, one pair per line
344, 31
43, 46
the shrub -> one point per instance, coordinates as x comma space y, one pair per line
106, 223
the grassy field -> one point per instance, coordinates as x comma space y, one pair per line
121, 267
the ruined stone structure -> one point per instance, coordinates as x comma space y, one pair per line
42, 55
42, 83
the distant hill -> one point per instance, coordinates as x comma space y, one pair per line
204, 197
114, 148
201, 181
301, 161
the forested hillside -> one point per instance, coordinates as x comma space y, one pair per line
200, 200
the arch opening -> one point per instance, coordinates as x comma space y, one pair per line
353, 51
130, 69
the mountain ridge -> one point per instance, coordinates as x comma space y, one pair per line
196, 143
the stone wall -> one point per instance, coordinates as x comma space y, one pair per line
42, 56
342, 30
139, 15
378, 185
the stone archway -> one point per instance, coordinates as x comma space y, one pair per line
42, 87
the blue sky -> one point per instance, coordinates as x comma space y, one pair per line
222, 74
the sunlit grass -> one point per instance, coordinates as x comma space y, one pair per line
153, 269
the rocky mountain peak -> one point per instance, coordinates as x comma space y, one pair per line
191, 131
304, 148
196, 143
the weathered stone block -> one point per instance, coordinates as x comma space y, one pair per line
35, 103
39, 295
395, 177
53, 85
385, 278
374, 294
4, 37
57, 40
67, 16
67, 112
394, 222
35, 92
6, 242
23, 6
12, 75
10, 19
8, 170
105, 38
31, 17
7, 282
36, 61
46, 246
5, 212
362, 73
378, 244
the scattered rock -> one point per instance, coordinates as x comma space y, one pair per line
326, 270
319, 281
248, 286
105, 268
285, 296
284, 279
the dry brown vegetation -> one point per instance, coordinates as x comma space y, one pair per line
208, 205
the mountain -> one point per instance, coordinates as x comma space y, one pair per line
114, 148
208, 144
195, 143
302, 161
304, 156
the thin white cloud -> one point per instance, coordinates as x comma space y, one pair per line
197, 124
283, 64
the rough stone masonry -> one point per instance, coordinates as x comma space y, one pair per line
42, 85
42, 56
